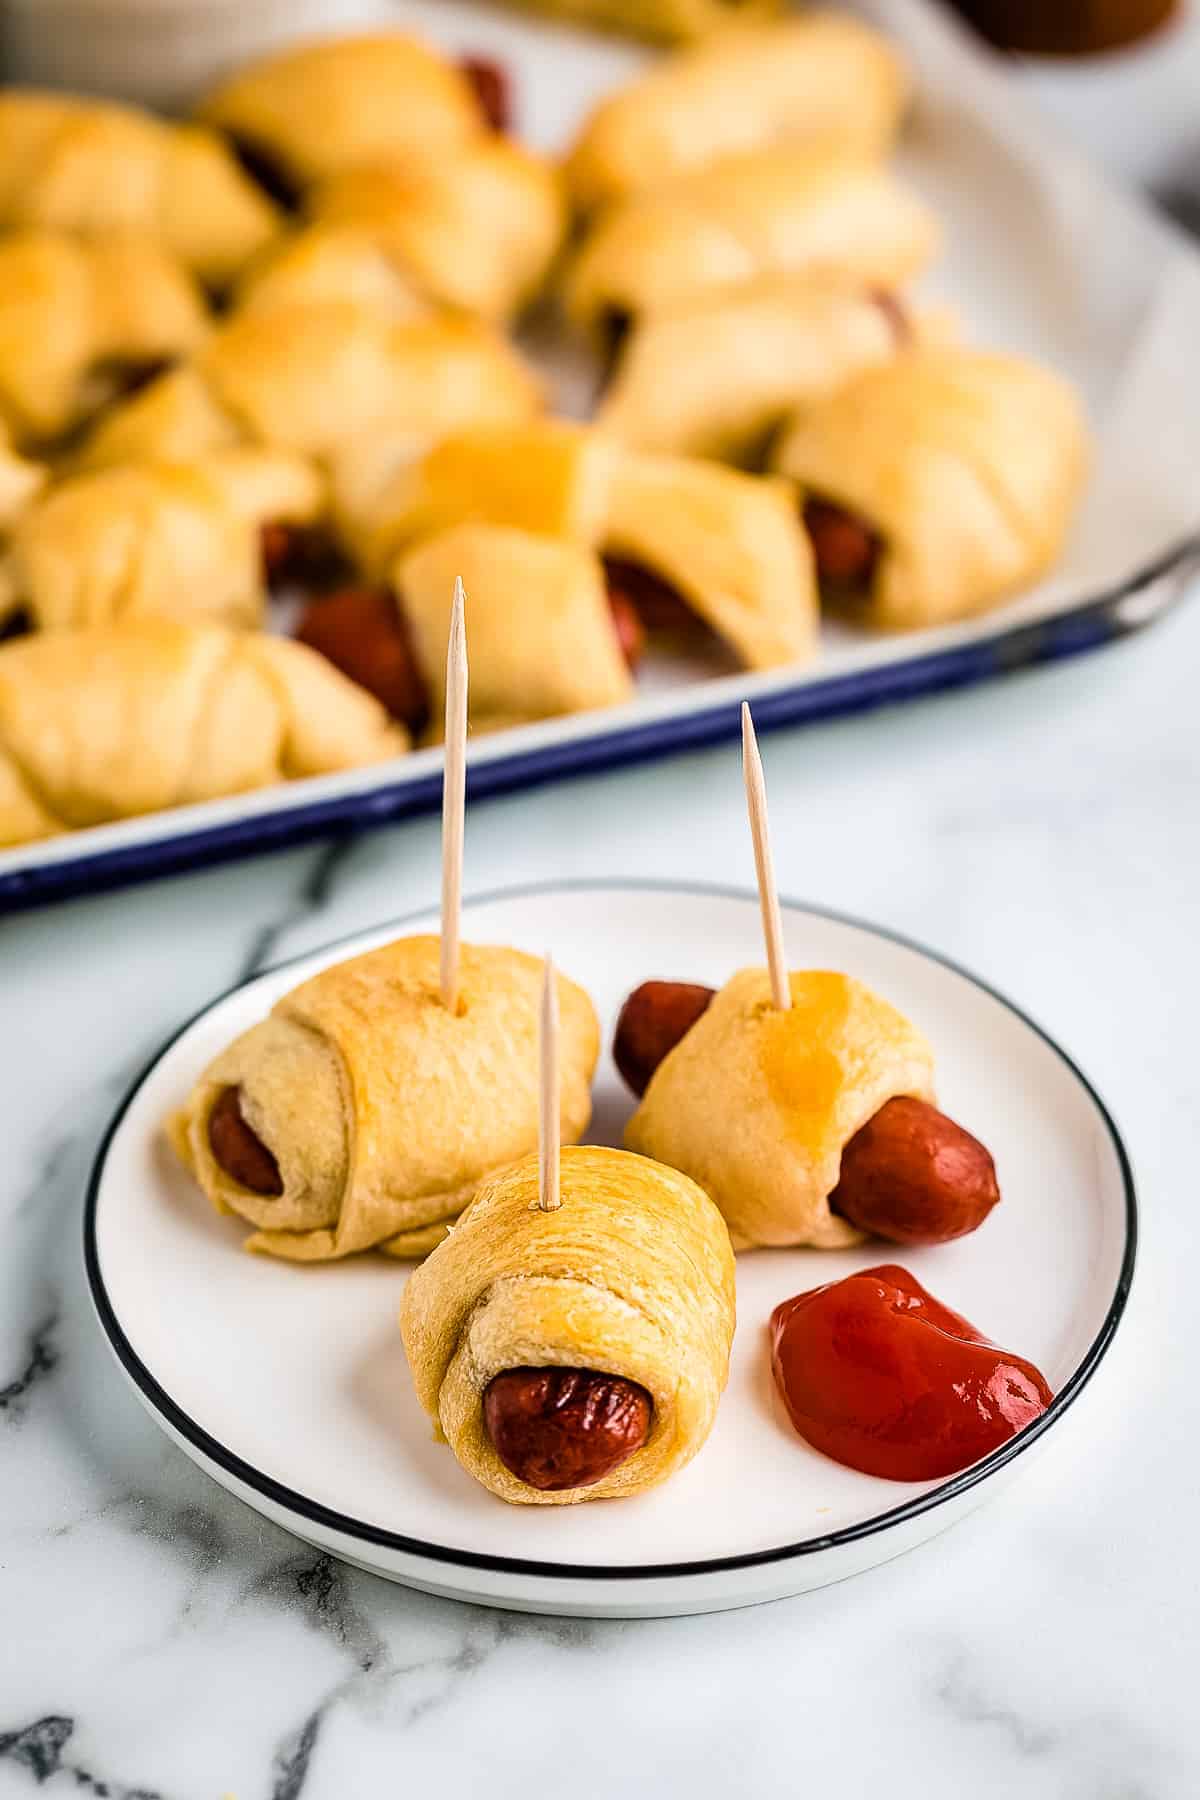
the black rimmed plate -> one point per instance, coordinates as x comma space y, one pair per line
289, 1385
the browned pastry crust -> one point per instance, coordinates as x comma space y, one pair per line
757, 1104
822, 77
171, 540
315, 108
77, 317
128, 719
476, 228
311, 377
542, 637
91, 167
728, 543
633, 1276
967, 467
383, 1110
783, 210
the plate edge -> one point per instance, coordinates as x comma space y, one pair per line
330, 1519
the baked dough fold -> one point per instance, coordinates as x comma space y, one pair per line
476, 229
542, 636
180, 540
728, 543
74, 314
757, 1105
91, 167
713, 375
123, 720
322, 263
968, 466
317, 107
383, 1110
632, 1276
760, 212
310, 377
820, 77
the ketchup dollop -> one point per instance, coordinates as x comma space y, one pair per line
880, 1376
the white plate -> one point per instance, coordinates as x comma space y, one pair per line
289, 1385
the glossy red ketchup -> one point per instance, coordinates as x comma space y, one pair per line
880, 1376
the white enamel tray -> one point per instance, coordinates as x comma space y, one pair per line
289, 1385
1042, 255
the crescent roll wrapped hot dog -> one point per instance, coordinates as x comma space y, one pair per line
543, 640
578, 1354
309, 377
179, 540
547, 637
762, 212
90, 167
309, 109
127, 719
323, 263
362, 1113
476, 230
79, 319
719, 545
823, 76
715, 375
939, 483
758, 1105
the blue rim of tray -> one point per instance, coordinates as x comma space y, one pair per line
1135, 602
330, 1519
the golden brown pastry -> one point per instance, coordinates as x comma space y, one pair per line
476, 228
309, 377
632, 1277
714, 375
79, 318
90, 167
757, 1105
339, 263
380, 1111
662, 21
310, 109
725, 543
822, 76
786, 209
542, 635
550, 476
21, 480
122, 720
178, 540
960, 468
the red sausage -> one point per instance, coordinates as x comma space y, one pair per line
240, 1151
491, 84
631, 633
845, 548
915, 1177
564, 1428
362, 632
651, 1022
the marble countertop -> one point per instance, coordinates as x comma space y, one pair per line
159, 1641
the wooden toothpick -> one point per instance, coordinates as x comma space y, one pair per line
454, 794
549, 1192
764, 866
